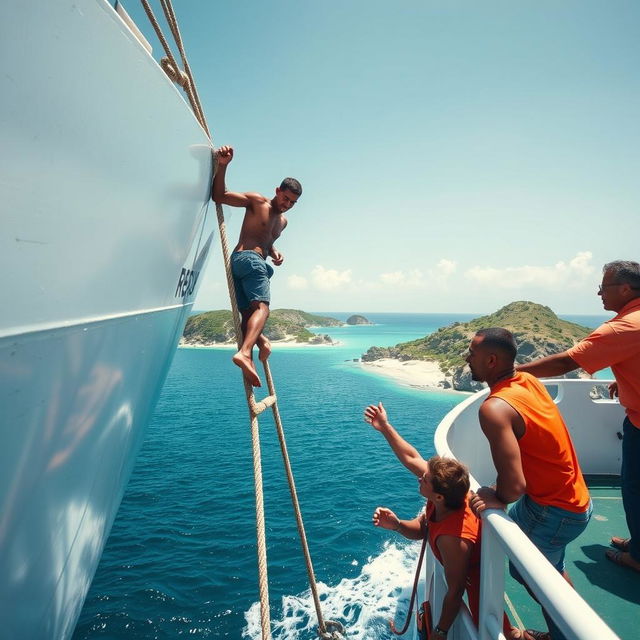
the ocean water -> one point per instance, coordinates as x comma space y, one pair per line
181, 557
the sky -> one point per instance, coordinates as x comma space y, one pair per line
455, 156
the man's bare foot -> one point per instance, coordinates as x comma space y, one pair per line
248, 368
264, 349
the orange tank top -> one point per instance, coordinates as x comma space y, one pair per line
549, 461
462, 523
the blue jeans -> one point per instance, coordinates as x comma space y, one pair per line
551, 529
630, 479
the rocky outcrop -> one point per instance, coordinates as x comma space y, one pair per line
356, 319
537, 330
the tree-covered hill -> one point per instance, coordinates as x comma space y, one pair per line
216, 327
538, 332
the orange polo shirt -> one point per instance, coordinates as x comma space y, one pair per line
549, 461
616, 344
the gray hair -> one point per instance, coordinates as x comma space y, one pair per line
625, 272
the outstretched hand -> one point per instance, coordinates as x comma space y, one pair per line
224, 155
385, 518
376, 416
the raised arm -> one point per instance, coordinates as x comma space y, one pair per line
497, 419
408, 455
556, 365
219, 192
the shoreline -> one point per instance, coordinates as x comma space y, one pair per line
275, 345
418, 374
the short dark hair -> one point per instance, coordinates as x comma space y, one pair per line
291, 184
501, 339
450, 479
625, 272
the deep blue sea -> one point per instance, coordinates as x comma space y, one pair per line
181, 557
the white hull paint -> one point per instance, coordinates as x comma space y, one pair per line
104, 185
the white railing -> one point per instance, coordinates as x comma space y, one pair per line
594, 426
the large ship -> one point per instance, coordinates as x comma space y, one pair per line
104, 183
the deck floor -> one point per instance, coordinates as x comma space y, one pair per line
612, 591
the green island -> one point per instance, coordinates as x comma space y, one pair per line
291, 325
537, 330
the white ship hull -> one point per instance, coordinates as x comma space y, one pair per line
104, 185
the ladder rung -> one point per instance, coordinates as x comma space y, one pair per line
258, 407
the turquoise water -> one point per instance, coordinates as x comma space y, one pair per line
181, 556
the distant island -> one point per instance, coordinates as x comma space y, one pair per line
356, 319
214, 328
439, 357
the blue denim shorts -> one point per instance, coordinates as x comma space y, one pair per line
551, 529
251, 275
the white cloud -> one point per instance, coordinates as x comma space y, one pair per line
444, 268
330, 279
297, 283
415, 278
558, 276
411, 279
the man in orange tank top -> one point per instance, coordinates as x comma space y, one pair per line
615, 344
453, 529
533, 455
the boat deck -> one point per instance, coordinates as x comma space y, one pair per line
612, 591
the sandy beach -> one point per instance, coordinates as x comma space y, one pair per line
414, 373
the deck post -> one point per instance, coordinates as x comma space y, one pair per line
491, 585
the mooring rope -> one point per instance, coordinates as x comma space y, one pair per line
171, 67
327, 629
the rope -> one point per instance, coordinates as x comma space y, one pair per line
263, 586
175, 30
327, 630
188, 86
392, 624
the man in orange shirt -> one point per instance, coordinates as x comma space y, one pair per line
533, 455
615, 344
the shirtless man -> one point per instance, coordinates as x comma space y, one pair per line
263, 223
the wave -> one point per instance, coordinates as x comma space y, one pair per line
364, 604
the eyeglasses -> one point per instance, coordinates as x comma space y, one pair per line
610, 284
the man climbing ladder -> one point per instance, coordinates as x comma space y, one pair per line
263, 223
